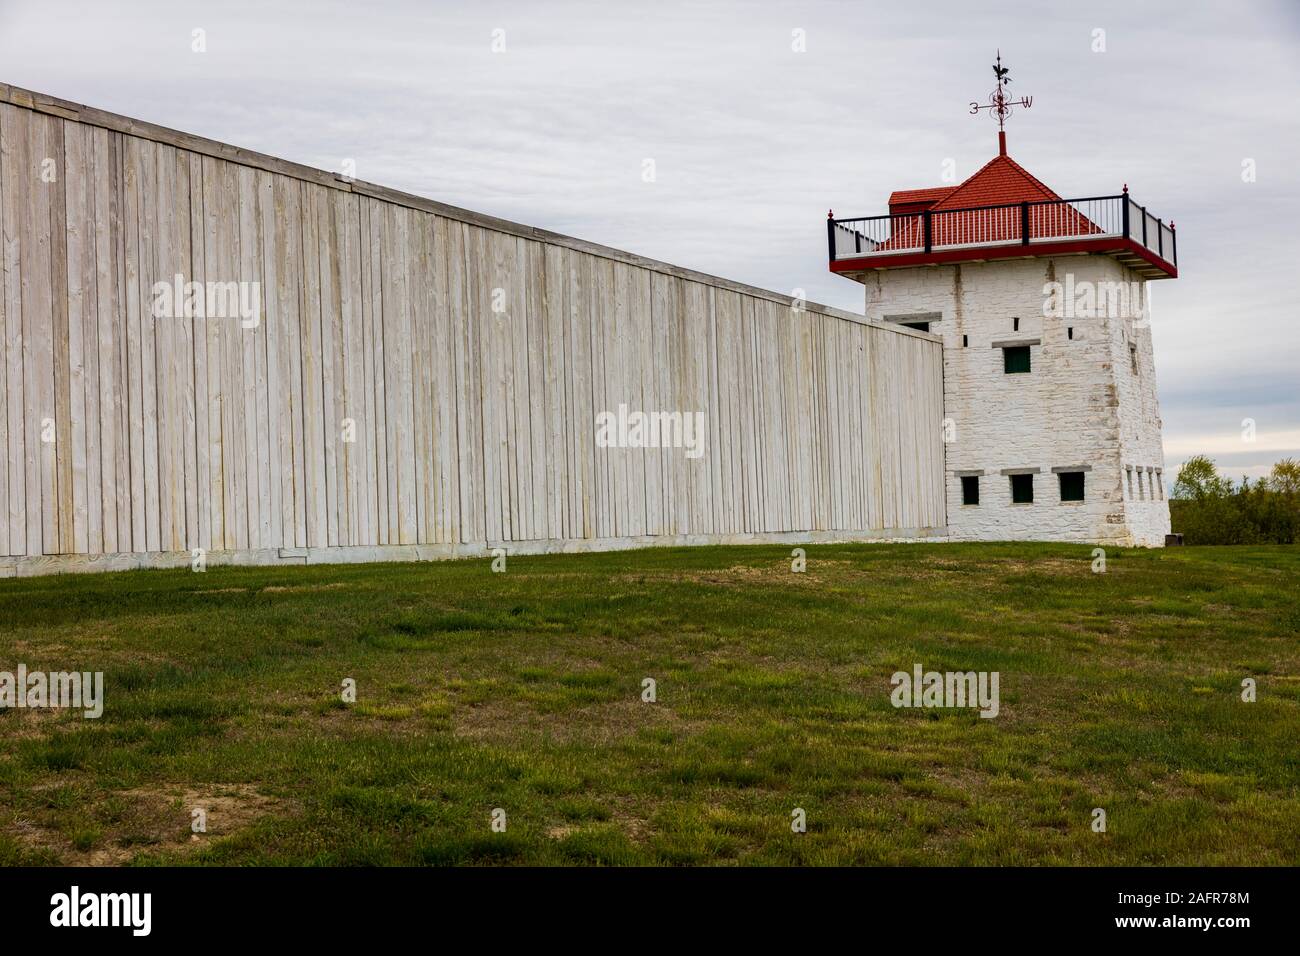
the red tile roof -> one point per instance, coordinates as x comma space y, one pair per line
1000, 182
931, 195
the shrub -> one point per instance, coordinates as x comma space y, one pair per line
1209, 509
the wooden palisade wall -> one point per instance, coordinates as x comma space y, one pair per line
132, 440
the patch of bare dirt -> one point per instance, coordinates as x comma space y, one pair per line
149, 820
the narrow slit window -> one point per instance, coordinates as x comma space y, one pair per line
965, 341
1071, 485
1015, 323
970, 489
1133, 358
1022, 489
1015, 359
1069, 333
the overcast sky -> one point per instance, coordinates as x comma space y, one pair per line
752, 141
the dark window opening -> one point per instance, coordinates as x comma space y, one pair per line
1069, 333
1015, 359
1133, 357
970, 489
965, 341
1071, 486
919, 326
1022, 489
1015, 324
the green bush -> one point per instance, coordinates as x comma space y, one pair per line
1208, 508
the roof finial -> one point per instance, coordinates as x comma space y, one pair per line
999, 105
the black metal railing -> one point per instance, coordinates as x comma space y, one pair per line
1023, 223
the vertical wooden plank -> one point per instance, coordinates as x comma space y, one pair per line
8, 297
419, 274
38, 346
199, 403
185, 446
368, 522
292, 302
17, 181
385, 477
353, 374
330, 312
60, 335
121, 233
481, 280
468, 402
537, 496
397, 328
147, 273
597, 313
556, 379
446, 375
80, 277
312, 373
252, 256
216, 248
273, 294
164, 323
224, 268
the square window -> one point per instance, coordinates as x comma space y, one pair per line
1022, 489
1071, 486
970, 489
1015, 359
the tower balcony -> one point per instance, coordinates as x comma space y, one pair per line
1109, 225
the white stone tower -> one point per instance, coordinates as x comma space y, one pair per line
1052, 427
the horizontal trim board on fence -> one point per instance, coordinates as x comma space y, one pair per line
271, 557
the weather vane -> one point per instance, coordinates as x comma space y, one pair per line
999, 104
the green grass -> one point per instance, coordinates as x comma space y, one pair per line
523, 691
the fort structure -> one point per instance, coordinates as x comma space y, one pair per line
1052, 425
209, 355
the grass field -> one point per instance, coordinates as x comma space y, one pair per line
523, 690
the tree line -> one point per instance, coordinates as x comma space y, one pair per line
1209, 508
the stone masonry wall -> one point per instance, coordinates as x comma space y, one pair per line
1080, 405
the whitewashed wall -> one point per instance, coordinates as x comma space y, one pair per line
132, 440
1080, 405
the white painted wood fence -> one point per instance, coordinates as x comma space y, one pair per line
381, 407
